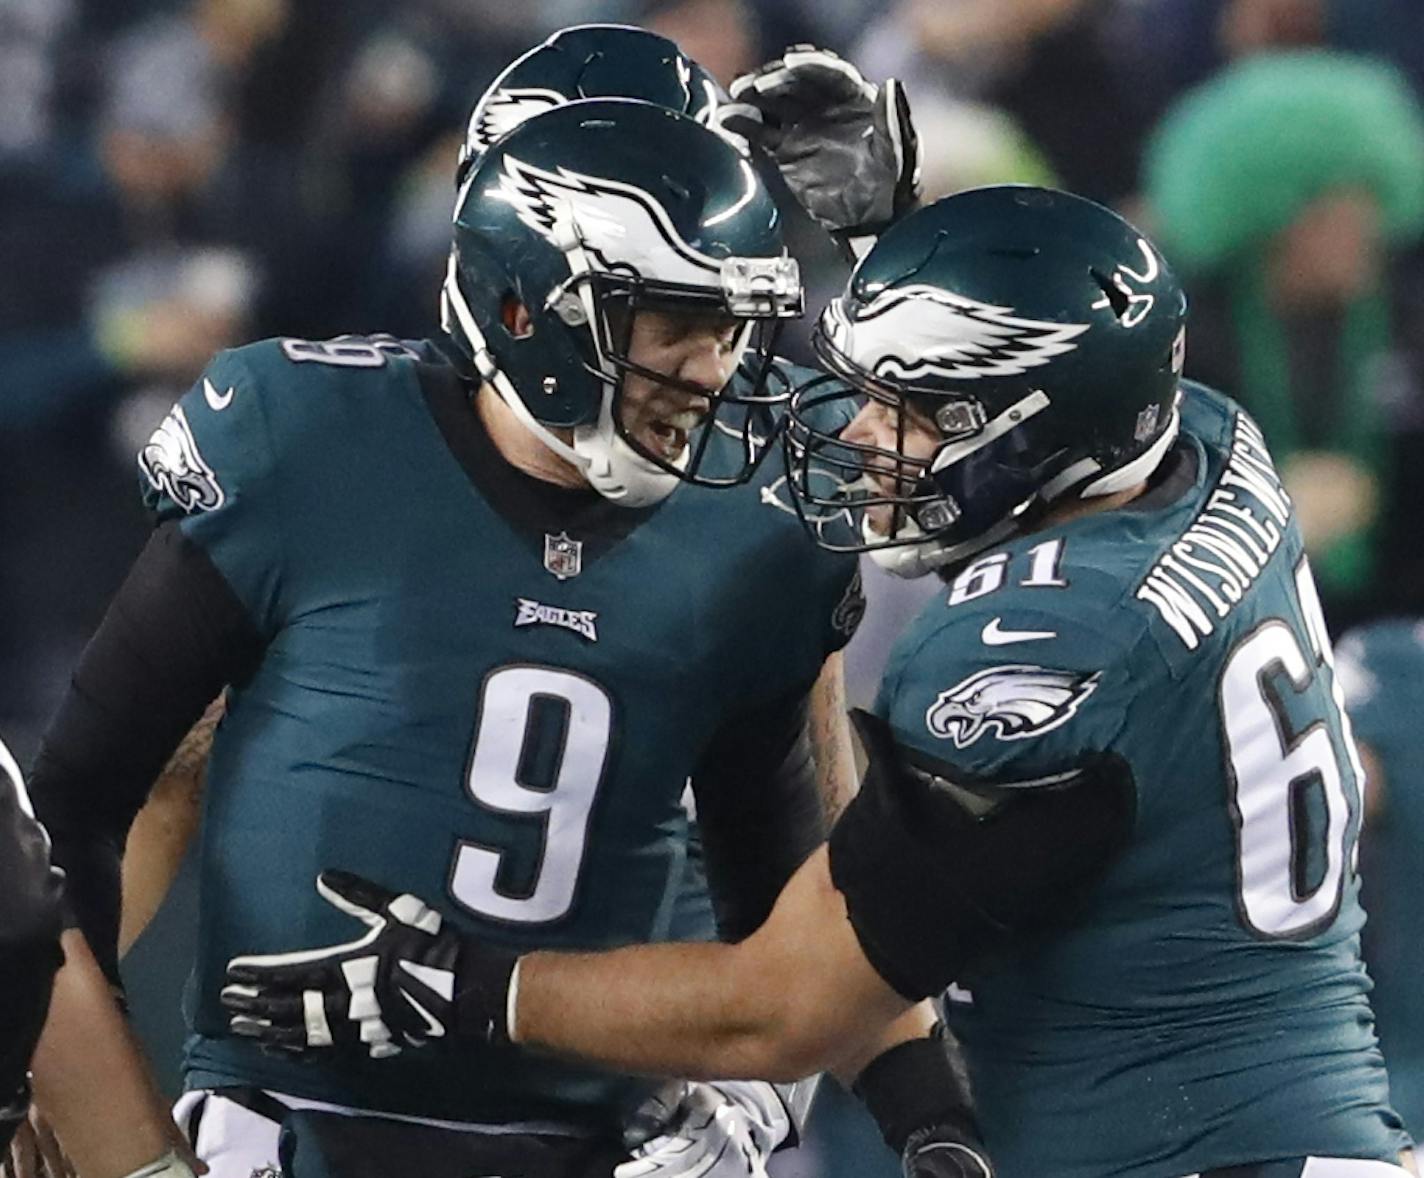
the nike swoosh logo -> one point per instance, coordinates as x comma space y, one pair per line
995, 635
217, 402
432, 1024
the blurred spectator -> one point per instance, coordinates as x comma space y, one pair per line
1381, 668
1177, 43
1251, 26
723, 36
827, 23
32, 35
1053, 65
967, 144
102, 276
1285, 189
122, 277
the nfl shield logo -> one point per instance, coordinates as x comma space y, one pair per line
1146, 423
563, 557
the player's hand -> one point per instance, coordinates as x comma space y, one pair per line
35, 1151
722, 1130
846, 147
933, 1154
410, 980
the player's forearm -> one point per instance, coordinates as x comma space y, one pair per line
675, 1009
90, 1079
796, 997
831, 743
163, 829
915, 1023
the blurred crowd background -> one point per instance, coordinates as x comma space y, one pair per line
177, 176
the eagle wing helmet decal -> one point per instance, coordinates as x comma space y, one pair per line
619, 225
504, 110
912, 331
1017, 702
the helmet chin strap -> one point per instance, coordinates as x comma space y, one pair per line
617, 471
1141, 467
914, 558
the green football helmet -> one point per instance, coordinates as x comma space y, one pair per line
1039, 334
589, 61
587, 214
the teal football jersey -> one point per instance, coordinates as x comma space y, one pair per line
1206, 1006
497, 716
1382, 670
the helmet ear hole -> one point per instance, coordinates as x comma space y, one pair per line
515, 317
1117, 297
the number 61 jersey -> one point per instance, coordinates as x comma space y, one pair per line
1205, 1006
475, 686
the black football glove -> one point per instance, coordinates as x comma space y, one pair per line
919, 1095
409, 981
936, 1153
846, 147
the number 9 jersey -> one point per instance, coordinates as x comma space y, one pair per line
1205, 1005
474, 686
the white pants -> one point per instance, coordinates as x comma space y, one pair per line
1345, 1168
235, 1141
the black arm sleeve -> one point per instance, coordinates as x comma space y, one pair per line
30, 911
759, 811
173, 636
938, 868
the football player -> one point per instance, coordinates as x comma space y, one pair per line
848, 152
444, 589
29, 941
1382, 669
1111, 794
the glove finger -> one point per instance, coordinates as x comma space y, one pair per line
284, 1009
672, 1156
893, 112
741, 118
286, 1038
652, 1118
787, 94
820, 76
742, 84
355, 895
699, 1106
273, 975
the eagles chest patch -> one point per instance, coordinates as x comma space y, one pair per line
1012, 702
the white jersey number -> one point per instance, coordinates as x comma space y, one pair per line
1291, 870
517, 769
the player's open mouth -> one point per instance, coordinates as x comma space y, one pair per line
882, 477
668, 435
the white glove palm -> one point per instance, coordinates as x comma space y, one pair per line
722, 1130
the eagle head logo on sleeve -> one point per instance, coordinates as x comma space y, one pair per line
1014, 702
173, 465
